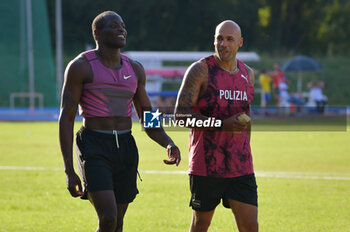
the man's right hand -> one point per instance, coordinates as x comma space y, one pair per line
74, 185
233, 124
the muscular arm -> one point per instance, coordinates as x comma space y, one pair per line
141, 103
75, 75
193, 85
195, 80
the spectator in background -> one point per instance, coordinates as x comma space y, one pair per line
296, 102
265, 83
316, 97
277, 77
283, 98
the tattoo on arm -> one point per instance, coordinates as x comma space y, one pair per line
194, 81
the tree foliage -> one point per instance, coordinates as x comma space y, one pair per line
287, 26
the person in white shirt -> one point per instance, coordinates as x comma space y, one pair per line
284, 97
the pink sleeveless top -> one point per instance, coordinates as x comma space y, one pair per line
111, 91
220, 153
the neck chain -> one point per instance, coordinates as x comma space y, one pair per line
235, 70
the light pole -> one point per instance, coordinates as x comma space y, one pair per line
30, 56
59, 49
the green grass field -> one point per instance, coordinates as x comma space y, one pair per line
303, 179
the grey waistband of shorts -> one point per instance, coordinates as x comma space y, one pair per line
111, 132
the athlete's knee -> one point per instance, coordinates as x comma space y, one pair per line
253, 227
200, 224
108, 220
249, 227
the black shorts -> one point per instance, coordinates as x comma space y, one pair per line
207, 191
104, 166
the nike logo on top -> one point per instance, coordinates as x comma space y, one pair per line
244, 77
126, 77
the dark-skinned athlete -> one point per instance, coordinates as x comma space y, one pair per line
104, 84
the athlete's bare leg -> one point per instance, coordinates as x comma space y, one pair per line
121, 210
246, 216
106, 209
201, 221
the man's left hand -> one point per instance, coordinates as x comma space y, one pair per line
173, 154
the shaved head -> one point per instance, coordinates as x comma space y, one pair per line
228, 25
